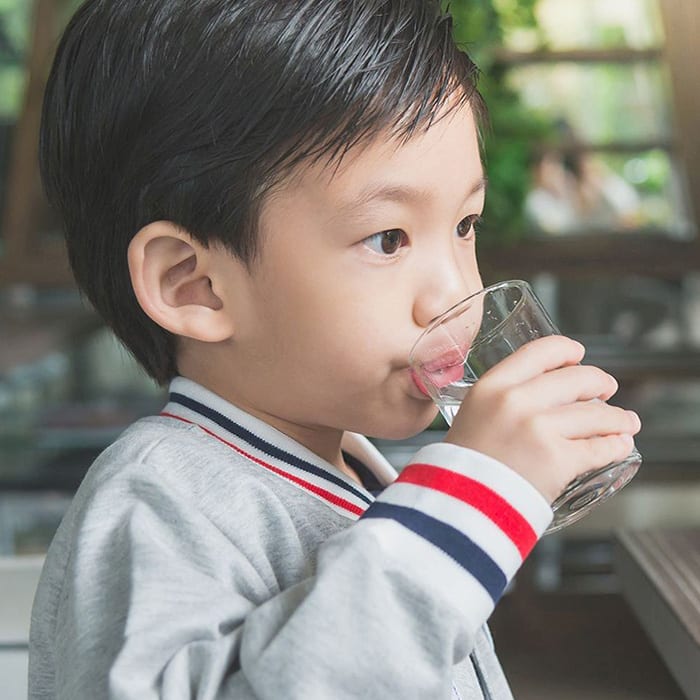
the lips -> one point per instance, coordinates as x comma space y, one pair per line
419, 383
445, 376
452, 357
440, 372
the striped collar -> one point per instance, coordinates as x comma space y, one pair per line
277, 453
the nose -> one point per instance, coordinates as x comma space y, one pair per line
443, 284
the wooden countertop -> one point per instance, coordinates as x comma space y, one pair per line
660, 575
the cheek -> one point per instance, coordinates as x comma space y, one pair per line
470, 266
338, 348
304, 327
318, 299
329, 316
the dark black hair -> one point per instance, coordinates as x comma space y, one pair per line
190, 111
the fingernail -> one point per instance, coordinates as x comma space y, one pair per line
636, 419
628, 440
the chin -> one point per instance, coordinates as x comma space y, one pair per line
407, 427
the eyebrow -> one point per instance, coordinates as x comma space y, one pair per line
402, 194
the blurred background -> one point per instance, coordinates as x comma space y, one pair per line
593, 161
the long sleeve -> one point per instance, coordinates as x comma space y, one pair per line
208, 556
398, 598
158, 602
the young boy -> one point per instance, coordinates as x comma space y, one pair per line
268, 201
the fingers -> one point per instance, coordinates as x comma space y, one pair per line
543, 414
593, 419
536, 358
570, 384
600, 451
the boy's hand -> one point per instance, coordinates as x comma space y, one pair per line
535, 412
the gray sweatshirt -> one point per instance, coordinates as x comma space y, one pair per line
207, 555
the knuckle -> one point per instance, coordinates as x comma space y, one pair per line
603, 450
634, 421
627, 420
622, 421
538, 427
551, 344
597, 450
600, 377
615, 417
509, 403
569, 346
612, 383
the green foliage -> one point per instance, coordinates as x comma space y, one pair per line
14, 31
480, 26
16, 17
14, 22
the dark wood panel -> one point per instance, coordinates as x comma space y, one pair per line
44, 266
660, 576
591, 255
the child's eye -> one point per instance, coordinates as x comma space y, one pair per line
386, 242
467, 226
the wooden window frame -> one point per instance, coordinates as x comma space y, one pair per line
654, 254
28, 256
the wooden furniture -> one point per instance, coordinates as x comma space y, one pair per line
33, 253
660, 576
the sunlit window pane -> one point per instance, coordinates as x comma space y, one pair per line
601, 102
591, 24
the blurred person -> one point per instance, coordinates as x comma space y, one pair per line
574, 192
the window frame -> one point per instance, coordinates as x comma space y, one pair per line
651, 253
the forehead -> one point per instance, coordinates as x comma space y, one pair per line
388, 167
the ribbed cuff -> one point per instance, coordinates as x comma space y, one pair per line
483, 515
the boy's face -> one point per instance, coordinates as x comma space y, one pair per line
354, 264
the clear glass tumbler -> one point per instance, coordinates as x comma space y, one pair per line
477, 333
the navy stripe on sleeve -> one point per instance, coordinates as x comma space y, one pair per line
450, 540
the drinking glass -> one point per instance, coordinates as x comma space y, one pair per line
477, 333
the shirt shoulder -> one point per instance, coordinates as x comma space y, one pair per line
161, 475
158, 456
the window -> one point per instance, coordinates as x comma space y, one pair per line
615, 84
31, 247
596, 72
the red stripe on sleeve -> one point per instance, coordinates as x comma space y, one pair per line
481, 497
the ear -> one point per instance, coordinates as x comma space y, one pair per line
171, 276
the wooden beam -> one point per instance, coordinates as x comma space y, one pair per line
623, 147
41, 272
46, 265
30, 256
622, 55
23, 185
592, 255
682, 25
